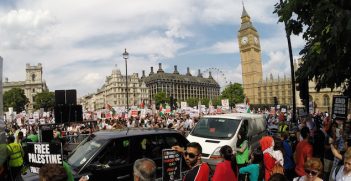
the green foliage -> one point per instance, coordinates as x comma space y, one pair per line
15, 98
326, 27
192, 102
44, 100
217, 101
233, 92
161, 98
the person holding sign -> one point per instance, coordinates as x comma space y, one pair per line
199, 171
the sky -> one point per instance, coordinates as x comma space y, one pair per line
80, 42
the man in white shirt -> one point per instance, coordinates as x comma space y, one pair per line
344, 172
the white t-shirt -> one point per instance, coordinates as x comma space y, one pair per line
340, 175
303, 178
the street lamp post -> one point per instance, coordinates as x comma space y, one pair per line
125, 56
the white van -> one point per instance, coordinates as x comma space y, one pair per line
214, 131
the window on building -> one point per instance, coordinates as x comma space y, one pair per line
325, 100
33, 90
33, 77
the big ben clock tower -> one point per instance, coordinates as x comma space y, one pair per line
250, 53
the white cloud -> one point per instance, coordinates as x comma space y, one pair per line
79, 42
26, 29
277, 65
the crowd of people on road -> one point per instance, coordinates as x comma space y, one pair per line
315, 148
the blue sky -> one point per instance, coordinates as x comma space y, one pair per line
79, 42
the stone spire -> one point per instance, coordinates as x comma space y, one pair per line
210, 75
160, 68
143, 74
151, 71
188, 71
199, 74
175, 70
245, 20
244, 13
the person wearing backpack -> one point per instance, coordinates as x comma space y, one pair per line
343, 172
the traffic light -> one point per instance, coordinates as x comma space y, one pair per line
171, 103
275, 99
303, 88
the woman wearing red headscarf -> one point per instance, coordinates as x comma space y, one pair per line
267, 144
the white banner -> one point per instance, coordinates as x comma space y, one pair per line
225, 103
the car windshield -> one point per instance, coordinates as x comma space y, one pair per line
86, 149
216, 128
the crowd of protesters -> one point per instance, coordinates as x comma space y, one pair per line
313, 148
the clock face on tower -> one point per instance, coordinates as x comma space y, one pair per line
256, 40
244, 40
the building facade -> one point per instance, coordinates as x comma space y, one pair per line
260, 91
113, 92
181, 87
33, 84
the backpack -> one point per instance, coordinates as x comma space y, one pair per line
277, 169
336, 170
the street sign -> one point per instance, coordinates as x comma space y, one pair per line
340, 106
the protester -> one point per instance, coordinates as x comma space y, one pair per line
16, 154
278, 177
304, 152
144, 169
344, 171
3, 157
198, 170
256, 168
242, 152
267, 144
52, 172
226, 170
289, 164
313, 168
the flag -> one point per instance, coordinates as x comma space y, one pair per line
247, 101
108, 106
142, 104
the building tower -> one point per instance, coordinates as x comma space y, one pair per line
34, 83
250, 53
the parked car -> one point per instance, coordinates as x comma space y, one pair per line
110, 155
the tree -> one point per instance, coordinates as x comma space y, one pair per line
44, 100
233, 92
15, 98
161, 98
326, 28
192, 101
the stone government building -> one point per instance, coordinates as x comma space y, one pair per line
260, 91
143, 89
181, 87
33, 84
113, 92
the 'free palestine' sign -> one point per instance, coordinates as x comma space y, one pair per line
40, 154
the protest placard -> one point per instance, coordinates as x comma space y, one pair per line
40, 154
340, 106
171, 165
